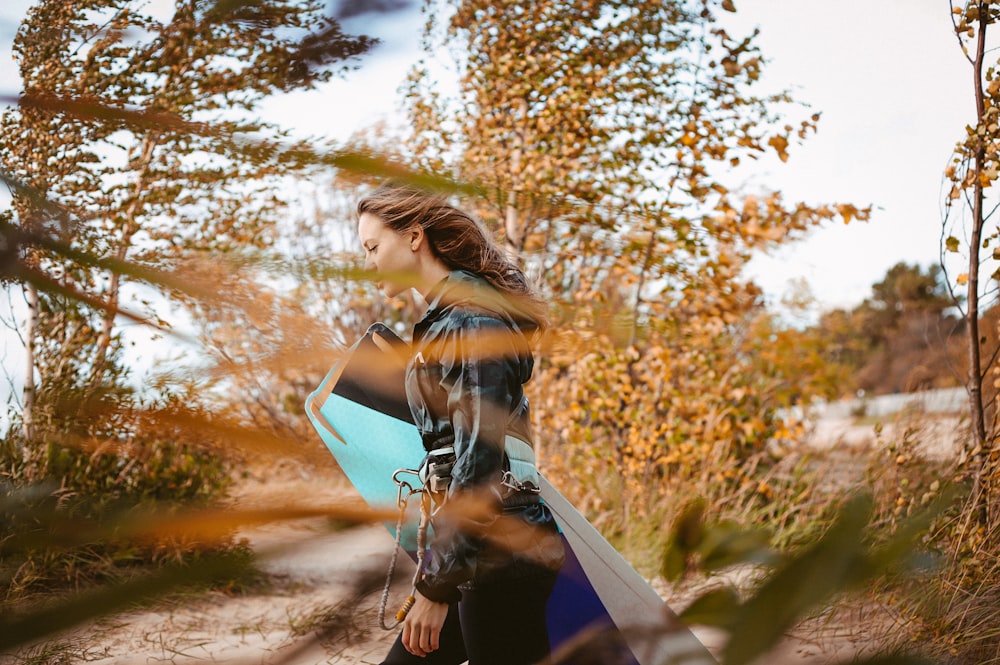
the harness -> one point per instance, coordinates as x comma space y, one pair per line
519, 486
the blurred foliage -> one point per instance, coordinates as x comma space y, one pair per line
848, 556
132, 150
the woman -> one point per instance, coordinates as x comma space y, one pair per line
495, 549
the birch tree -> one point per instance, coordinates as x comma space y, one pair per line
970, 229
143, 130
621, 121
608, 137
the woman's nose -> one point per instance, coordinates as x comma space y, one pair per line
369, 264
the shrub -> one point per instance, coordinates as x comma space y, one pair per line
65, 496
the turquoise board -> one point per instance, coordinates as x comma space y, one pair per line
361, 414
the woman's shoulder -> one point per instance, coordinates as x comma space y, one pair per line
471, 315
469, 301
470, 296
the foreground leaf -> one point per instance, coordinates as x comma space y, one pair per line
22, 629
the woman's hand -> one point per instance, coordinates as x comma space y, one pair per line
422, 626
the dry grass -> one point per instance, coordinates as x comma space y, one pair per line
315, 608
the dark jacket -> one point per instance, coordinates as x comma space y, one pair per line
464, 387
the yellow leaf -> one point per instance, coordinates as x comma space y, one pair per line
963, 279
780, 145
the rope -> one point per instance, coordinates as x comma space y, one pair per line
425, 513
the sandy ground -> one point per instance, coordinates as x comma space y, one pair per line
314, 573
939, 437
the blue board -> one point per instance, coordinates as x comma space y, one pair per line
360, 412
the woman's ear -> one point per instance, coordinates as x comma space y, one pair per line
416, 235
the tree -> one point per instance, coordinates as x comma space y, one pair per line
603, 133
903, 337
909, 331
972, 174
606, 136
134, 155
141, 133
623, 115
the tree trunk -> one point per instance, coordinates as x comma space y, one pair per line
102, 348
513, 225
647, 262
982, 446
29, 390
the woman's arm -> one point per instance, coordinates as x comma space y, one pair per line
481, 375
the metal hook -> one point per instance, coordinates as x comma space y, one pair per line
402, 484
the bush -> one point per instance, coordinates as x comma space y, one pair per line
65, 501
628, 432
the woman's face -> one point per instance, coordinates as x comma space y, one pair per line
388, 254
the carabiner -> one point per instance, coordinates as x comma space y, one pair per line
401, 484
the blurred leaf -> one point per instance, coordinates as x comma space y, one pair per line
358, 162
25, 627
717, 546
718, 607
674, 562
96, 109
209, 525
18, 238
685, 537
55, 529
689, 529
367, 163
45, 283
895, 659
728, 544
833, 564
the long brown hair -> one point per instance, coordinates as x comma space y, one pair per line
456, 238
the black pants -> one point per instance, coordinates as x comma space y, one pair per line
498, 624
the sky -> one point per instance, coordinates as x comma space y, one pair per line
888, 77
895, 93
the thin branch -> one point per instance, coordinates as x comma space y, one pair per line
958, 36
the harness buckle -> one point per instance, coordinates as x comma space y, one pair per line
510, 481
435, 471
